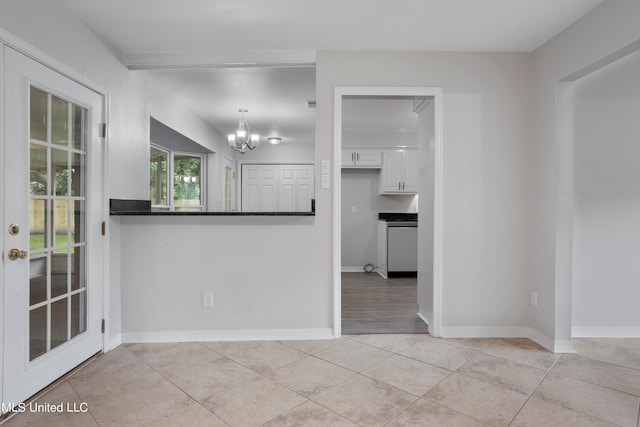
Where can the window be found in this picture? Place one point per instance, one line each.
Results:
(186, 173)
(159, 177)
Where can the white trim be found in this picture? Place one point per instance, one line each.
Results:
(437, 94)
(49, 61)
(426, 322)
(564, 145)
(337, 211)
(605, 332)
(354, 269)
(556, 346)
(565, 347)
(3, 236)
(113, 343)
(508, 332)
(220, 58)
(485, 332)
(228, 335)
(438, 211)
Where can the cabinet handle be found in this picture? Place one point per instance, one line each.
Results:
(358, 156)
(403, 186)
(352, 156)
(398, 185)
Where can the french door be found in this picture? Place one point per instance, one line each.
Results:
(53, 254)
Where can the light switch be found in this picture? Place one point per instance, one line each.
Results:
(326, 167)
(326, 181)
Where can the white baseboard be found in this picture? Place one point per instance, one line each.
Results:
(357, 269)
(424, 319)
(605, 332)
(508, 332)
(113, 342)
(228, 335)
(483, 332)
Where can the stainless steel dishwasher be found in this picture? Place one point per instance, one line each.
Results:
(402, 248)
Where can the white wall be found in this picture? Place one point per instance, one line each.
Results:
(262, 272)
(133, 96)
(487, 143)
(604, 31)
(379, 138)
(606, 228)
(360, 188)
(287, 284)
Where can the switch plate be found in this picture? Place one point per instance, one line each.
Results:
(326, 167)
(326, 181)
(354, 209)
(534, 298)
(207, 299)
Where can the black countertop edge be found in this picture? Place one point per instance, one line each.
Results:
(159, 213)
(122, 207)
(397, 216)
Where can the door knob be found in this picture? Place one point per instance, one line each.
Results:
(14, 254)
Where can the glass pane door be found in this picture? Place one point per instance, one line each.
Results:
(57, 239)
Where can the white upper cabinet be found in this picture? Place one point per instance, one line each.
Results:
(399, 173)
(357, 158)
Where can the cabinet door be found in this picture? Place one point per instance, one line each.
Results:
(304, 188)
(369, 158)
(348, 157)
(269, 188)
(391, 175)
(410, 169)
(251, 188)
(287, 188)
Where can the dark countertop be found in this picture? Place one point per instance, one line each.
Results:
(397, 216)
(122, 207)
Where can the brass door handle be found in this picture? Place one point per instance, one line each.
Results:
(14, 254)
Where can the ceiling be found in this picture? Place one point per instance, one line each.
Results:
(275, 96)
(131, 26)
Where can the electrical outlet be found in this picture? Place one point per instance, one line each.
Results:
(534, 298)
(354, 209)
(207, 299)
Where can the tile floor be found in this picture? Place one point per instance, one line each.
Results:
(359, 380)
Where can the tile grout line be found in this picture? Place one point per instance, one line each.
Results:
(534, 390)
(199, 403)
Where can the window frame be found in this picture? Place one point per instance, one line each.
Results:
(171, 206)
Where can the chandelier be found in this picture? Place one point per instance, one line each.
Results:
(243, 140)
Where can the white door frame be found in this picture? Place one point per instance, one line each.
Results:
(435, 316)
(563, 327)
(8, 39)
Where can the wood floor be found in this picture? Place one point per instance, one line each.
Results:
(373, 305)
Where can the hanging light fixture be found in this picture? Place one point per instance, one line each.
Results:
(243, 140)
(274, 140)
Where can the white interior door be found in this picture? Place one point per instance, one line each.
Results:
(52, 256)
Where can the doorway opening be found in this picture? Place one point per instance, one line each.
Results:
(389, 169)
(603, 131)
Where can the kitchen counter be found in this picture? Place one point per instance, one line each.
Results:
(122, 207)
(397, 216)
